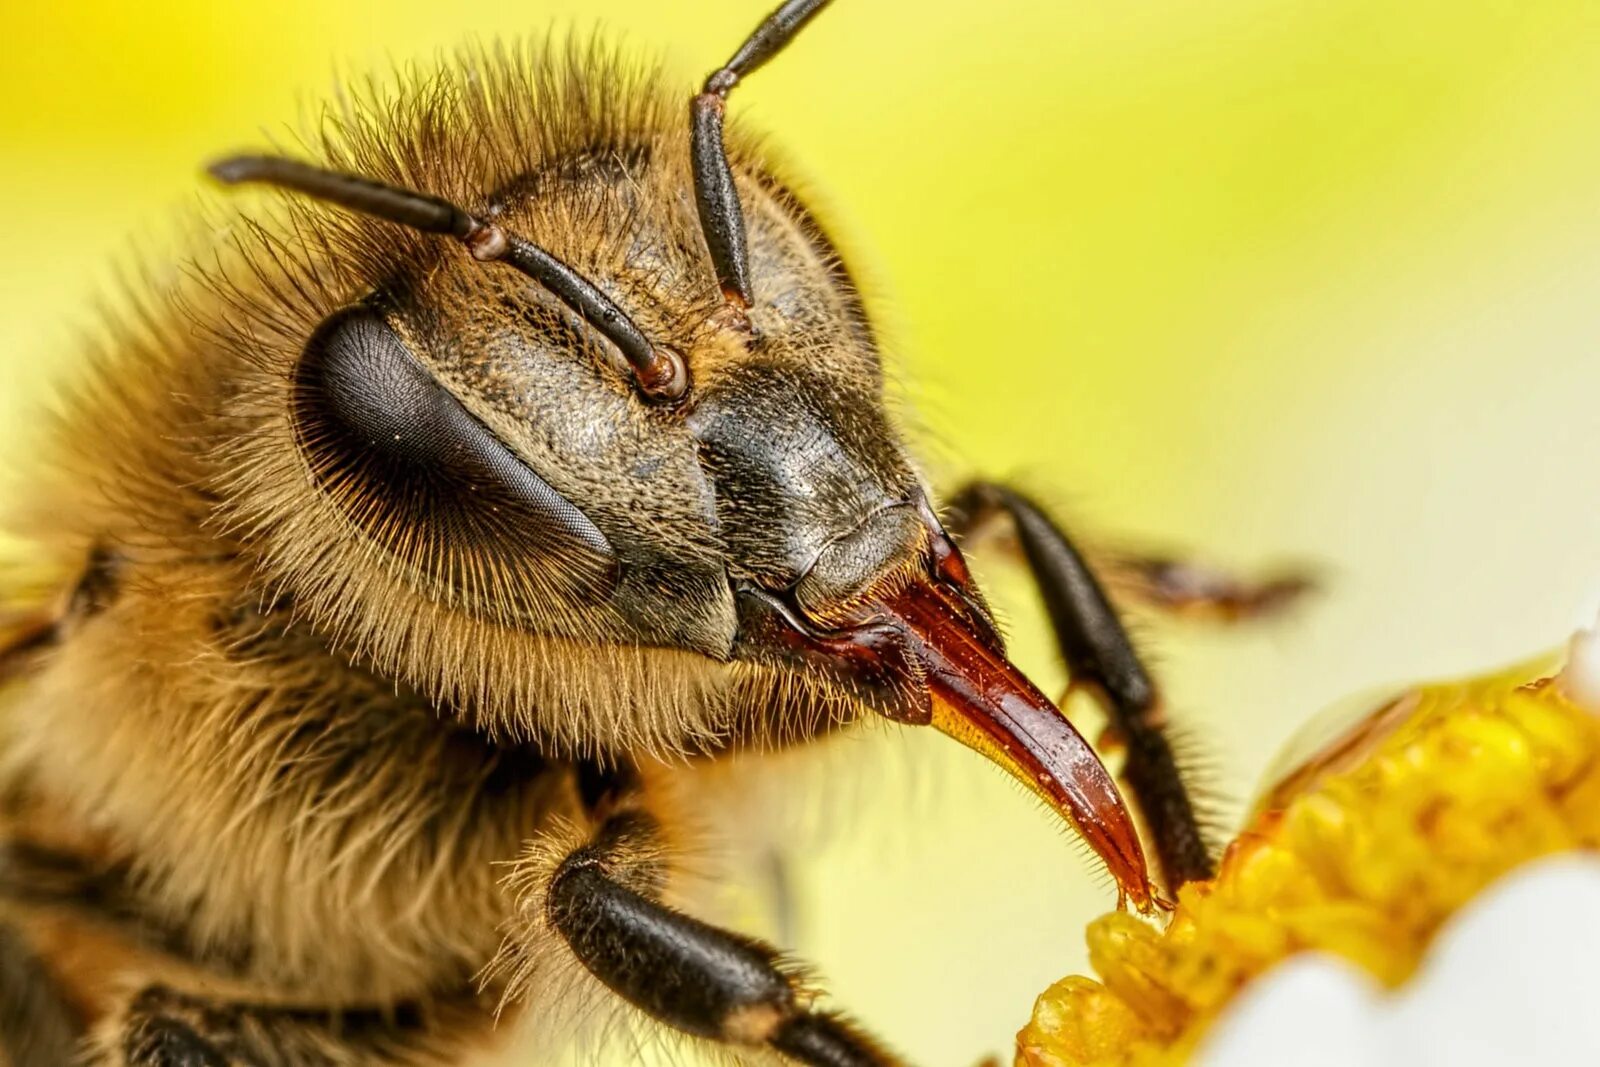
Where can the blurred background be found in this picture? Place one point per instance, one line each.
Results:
(1263, 281)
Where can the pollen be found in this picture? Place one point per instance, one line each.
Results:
(1362, 853)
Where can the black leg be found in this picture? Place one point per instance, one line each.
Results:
(1099, 655)
(1176, 585)
(683, 972)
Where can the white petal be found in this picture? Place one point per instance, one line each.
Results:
(1310, 1011)
(1580, 678)
(1514, 978)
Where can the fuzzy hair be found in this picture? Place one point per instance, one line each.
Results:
(306, 754)
(178, 446)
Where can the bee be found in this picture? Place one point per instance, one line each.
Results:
(394, 562)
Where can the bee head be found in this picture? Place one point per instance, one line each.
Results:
(508, 441)
(615, 478)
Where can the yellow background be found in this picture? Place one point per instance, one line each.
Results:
(1265, 280)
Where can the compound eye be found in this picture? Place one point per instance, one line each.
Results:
(419, 475)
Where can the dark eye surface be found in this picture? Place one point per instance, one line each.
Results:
(420, 475)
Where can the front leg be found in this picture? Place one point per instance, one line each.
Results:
(601, 903)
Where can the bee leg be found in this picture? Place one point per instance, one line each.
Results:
(1194, 590)
(1173, 584)
(602, 899)
(1100, 656)
(163, 1027)
(159, 1033)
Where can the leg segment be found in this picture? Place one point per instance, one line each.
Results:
(1177, 586)
(1194, 590)
(1099, 655)
(603, 901)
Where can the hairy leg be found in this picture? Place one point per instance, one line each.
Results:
(600, 905)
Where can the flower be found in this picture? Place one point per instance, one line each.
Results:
(1361, 854)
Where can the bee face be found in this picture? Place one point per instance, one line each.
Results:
(640, 490)
(468, 424)
(475, 469)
